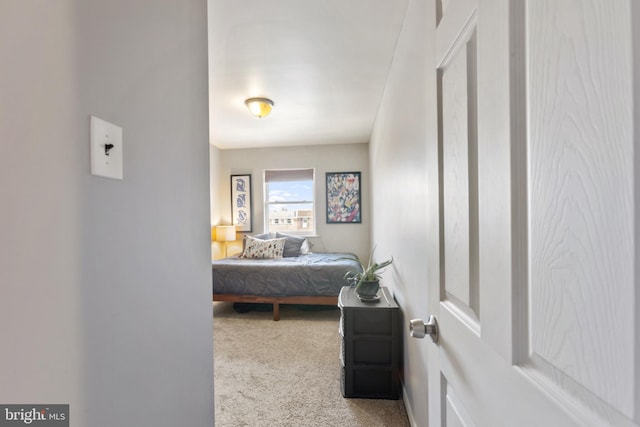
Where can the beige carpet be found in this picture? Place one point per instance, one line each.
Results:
(287, 373)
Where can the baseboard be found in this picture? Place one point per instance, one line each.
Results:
(407, 407)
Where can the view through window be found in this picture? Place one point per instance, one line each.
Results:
(289, 201)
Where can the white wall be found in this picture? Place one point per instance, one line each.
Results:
(398, 153)
(105, 287)
(332, 158)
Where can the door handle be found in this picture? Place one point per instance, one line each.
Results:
(419, 329)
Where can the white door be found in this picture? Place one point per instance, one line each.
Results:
(535, 196)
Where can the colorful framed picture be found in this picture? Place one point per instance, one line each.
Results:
(241, 202)
(344, 203)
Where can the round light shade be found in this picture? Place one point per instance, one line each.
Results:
(259, 107)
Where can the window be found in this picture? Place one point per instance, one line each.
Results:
(289, 201)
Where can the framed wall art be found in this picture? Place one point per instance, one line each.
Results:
(241, 202)
(344, 203)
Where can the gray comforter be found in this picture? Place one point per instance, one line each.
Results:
(313, 274)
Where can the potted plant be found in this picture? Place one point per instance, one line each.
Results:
(367, 280)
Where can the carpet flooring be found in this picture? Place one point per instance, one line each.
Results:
(287, 373)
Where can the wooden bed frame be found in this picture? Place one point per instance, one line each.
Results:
(276, 301)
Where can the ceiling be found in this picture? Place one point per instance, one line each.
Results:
(324, 63)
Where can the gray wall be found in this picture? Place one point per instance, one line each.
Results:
(398, 153)
(216, 185)
(328, 158)
(105, 298)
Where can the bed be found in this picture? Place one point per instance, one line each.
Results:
(294, 277)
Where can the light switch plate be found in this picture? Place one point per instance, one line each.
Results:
(106, 149)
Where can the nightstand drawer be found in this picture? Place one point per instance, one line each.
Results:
(376, 352)
(373, 322)
(372, 383)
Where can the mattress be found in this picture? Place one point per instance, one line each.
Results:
(312, 274)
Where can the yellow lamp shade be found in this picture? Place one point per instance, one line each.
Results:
(225, 233)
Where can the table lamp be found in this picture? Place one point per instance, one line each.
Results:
(225, 233)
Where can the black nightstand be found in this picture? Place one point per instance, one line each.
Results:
(370, 349)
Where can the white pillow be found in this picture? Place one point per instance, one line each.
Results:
(264, 249)
(305, 248)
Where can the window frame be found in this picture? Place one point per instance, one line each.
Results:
(287, 221)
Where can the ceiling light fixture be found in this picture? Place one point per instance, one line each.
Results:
(259, 107)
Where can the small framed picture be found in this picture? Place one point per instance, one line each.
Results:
(241, 202)
(344, 203)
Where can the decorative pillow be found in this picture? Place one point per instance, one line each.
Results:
(306, 247)
(264, 236)
(292, 245)
(263, 249)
